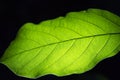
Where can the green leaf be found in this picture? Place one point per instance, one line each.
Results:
(66, 45)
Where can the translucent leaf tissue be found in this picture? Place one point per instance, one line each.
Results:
(63, 46)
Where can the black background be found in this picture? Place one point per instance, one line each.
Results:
(15, 13)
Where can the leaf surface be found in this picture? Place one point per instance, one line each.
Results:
(66, 45)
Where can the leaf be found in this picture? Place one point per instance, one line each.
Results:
(66, 45)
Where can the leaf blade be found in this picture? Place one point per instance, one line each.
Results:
(58, 46)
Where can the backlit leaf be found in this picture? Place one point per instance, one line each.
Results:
(66, 45)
